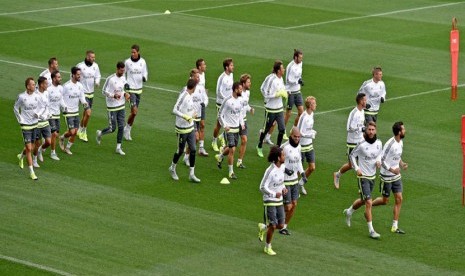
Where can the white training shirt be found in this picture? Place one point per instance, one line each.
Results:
(134, 72)
(392, 155)
(48, 75)
(245, 97)
(56, 102)
(374, 91)
(73, 93)
(90, 76)
(184, 106)
(113, 90)
(364, 157)
(230, 114)
(293, 162)
(26, 108)
(293, 74)
(355, 124)
(270, 86)
(224, 87)
(272, 183)
(305, 125)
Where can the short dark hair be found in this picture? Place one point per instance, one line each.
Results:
(135, 47)
(227, 62)
(191, 83)
(297, 53)
(277, 65)
(199, 62)
(359, 97)
(236, 85)
(41, 79)
(376, 69)
(26, 82)
(397, 127)
(120, 65)
(74, 70)
(54, 74)
(51, 60)
(274, 154)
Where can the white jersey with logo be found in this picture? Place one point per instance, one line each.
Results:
(245, 97)
(293, 74)
(113, 90)
(271, 184)
(134, 72)
(43, 110)
(184, 106)
(270, 86)
(198, 97)
(56, 102)
(305, 126)
(392, 155)
(230, 114)
(90, 76)
(224, 87)
(293, 162)
(355, 124)
(202, 79)
(374, 91)
(73, 93)
(26, 109)
(364, 157)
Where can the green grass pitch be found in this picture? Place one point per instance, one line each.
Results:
(98, 213)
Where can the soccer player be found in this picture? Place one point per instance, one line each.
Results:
(25, 109)
(90, 78)
(292, 151)
(43, 126)
(73, 93)
(375, 90)
(246, 83)
(47, 73)
(232, 120)
(273, 189)
(355, 129)
(56, 105)
(391, 163)
(115, 96)
(273, 91)
(305, 125)
(202, 67)
(294, 83)
(136, 74)
(185, 114)
(365, 159)
(198, 99)
(223, 90)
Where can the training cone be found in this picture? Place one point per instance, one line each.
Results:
(224, 181)
(167, 12)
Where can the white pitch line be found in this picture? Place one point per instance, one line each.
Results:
(65, 8)
(131, 17)
(258, 106)
(371, 15)
(39, 266)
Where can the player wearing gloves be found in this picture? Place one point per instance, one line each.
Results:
(391, 180)
(294, 84)
(305, 126)
(355, 129)
(115, 96)
(73, 93)
(231, 119)
(25, 109)
(365, 159)
(136, 74)
(273, 91)
(185, 114)
(292, 151)
(375, 90)
(273, 188)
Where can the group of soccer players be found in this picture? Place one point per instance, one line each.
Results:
(38, 108)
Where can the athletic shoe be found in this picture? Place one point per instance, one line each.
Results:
(269, 251)
(268, 141)
(203, 152)
(284, 231)
(126, 132)
(33, 176)
(261, 231)
(120, 151)
(348, 216)
(219, 160)
(397, 230)
(83, 136)
(54, 156)
(129, 136)
(215, 146)
(98, 136)
(240, 165)
(194, 178)
(232, 175)
(285, 136)
(302, 190)
(21, 160)
(374, 235)
(259, 152)
(39, 155)
(336, 177)
(61, 142)
(173, 173)
(186, 160)
(35, 164)
(68, 151)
